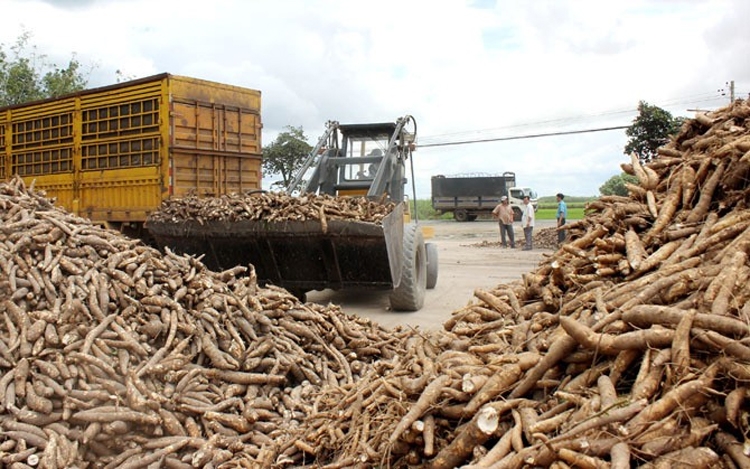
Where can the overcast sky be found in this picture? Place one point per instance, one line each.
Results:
(466, 70)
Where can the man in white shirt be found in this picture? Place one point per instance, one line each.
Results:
(527, 222)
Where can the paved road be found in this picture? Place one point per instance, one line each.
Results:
(463, 267)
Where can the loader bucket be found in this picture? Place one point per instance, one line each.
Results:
(297, 255)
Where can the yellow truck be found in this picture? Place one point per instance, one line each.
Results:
(112, 154)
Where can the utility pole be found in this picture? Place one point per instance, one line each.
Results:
(730, 85)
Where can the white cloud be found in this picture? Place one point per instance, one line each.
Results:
(494, 70)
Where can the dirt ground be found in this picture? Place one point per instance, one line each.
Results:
(462, 268)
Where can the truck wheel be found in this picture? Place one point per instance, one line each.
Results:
(432, 264)
(409, 295)
(460, 215)
(517, 215)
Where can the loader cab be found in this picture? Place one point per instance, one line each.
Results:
(359, 160)
(372, 163)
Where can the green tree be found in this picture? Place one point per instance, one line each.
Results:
(650, 130)
(285, 155)
(616, 184)
(25, 74)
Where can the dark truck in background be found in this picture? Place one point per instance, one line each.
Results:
(469, 196)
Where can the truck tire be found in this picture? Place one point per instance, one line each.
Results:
(461, 215)
(517, 214)
(409, 295)
(432, 265)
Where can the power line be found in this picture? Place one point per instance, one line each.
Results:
(692, 99)
(521, 137)
(558, 121)
(561, 120)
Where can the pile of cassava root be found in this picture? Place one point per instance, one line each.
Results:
(629, 347)
(271, 207)
(545, 238)
(113, 355)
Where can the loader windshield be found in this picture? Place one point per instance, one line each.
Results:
(366, 156)
(366, 145)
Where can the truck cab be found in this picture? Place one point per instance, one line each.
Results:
(515, 198)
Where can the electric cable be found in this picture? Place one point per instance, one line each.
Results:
(434, 140)
(522, 137)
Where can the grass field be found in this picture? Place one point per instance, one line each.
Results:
(548, 207)
(549, 213)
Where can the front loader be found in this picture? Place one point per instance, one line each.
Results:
(347, 161)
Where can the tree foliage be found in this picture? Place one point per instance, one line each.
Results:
(26, 75)
(616, 184)
(285, 155)
(650, 130)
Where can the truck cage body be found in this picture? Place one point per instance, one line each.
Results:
(113, 154)
(470, 196)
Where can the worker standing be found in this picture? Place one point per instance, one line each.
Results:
(527, 221)
(562, 214)
(504, 213)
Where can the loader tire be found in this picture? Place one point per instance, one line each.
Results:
(432, 265)
(409, 295)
